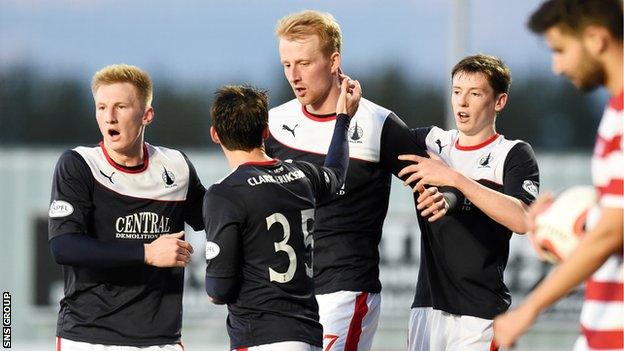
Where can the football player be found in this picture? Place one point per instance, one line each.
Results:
(259, 222)
(348, 227)
(115, 224)
(460, 286)
(586, 40)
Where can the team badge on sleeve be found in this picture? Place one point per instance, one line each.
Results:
(212, 250)
(60, 208)
(530, 187)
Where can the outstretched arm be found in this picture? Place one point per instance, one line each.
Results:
(593, 250)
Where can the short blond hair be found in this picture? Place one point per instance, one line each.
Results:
(122, 73)
(309, 22)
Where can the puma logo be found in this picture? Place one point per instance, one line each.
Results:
(440, 146)
(110, 177)
(292, 130)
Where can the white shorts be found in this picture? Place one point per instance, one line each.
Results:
(436, 330)
(284, 345)
(70, 345)
(349, 320)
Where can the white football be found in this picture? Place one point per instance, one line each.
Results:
(560, 226)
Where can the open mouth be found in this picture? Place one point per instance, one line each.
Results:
(113, 133)
(463, 116)
(300, 91)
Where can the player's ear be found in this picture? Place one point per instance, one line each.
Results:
(335, 61)
(148, 116)
(214, 136)
(265, 133)
(595, 39)
(501, 101)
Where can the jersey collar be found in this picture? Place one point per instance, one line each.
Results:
(478, 146)
(122, 168)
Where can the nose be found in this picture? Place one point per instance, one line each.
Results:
(109, 115)
(461, 100)
(294, 75)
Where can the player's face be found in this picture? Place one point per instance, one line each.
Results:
(310, 72)
(571, 58)
(474, 103)
(121, 117)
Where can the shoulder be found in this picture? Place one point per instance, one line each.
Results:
(290, 107)
(370, 109)
(516, 147)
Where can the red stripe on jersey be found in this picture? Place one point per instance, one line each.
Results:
(617, 102)
(58, 343)
(604, 291)
(242, 349)
(261, 163)
(122, 168)
(493, 346)
(605, 147)
(318, 118)
(355, 328)
(615, 187)
(604, 339)
(478, 146)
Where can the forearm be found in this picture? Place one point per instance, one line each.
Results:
(504, 209)
(222, 290)
(79, 249)
(593, 250)
(338, 153)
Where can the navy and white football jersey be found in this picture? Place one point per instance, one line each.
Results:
(464, 254)
(137, 305)
(348, 228)
(259, 222)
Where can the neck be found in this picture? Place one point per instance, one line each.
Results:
(477, 138)
(238, 157)
(613, 70)
(131, 157)
(327, 104)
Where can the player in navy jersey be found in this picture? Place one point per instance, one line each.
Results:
(259, 222)
(348, 227)
(115, 224)
(586, 39)
(460, 284)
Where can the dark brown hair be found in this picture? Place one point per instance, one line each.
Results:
(497, 74)
(573, 16)
(240, 115)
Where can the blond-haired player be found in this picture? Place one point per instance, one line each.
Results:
(116, 217)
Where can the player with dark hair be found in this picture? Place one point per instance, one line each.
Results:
(115, 224)
(259, 222)
(585, 37)
(460, 286)
(348, 227)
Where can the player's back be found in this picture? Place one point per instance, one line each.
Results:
(272, 207)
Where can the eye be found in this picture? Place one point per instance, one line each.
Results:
(455, 92)
(121, 107)
(286, 65)
(476, 94)
(305, 64)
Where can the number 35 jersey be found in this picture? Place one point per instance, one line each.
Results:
(259, 223)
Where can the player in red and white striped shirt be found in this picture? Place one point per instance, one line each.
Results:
(586, 39)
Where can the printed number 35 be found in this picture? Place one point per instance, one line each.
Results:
(308, 241)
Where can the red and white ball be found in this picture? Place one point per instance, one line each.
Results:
(560, 226)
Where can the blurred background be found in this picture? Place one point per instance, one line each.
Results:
(401, 51)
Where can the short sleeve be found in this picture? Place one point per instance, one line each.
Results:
(397, 139)
(71, 201)
(194, 199)
(223, 224)
(521, 174)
